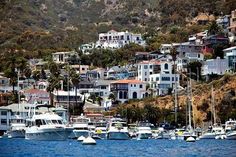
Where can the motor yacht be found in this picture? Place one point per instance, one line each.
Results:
(213, 132)
(17, 127)
(117, 130)
(46, 126)
(144, 131)
(80, 126)
(230, 129)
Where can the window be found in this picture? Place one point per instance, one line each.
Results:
(166, 66)
(125, 95)
(127, 37)
(3, 121)
(145, 66)
(165, 78)
(4, 113)
(141, 86)
(150, 73)
(145, 79)
(134, 85)
(145, 74)
(131, 85)
(120, 95)
(150, 66)
(134, 95)
(121, 37)
(137, 38)
(157, 78)
(103, 87)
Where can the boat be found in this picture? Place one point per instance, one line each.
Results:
(80, 126)
(46, 126)
(144, 131)
(211, 133)
(230, 129)
(17, 127)
(117, 130)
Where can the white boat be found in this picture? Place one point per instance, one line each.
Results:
(80, 126)
(46, 126)
(144, 131)
(213, 132)
(230, 129)
(117, 130)
(17, 129)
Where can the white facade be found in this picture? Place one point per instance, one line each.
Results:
(164, 80)
(188, 57)
(147, 68)
(128, 89)
(165, 48)
(86, 48)
(114, 40)
(62, 57)
(5, 116)
(215, 66)
(230, 55)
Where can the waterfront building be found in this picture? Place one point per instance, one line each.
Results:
(5, 116)
(128, 89)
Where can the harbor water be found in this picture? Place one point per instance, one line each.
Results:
(112, 148)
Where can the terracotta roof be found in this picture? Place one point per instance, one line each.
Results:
(128, 81)
(35, 91)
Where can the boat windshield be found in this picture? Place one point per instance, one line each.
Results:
(119, 124)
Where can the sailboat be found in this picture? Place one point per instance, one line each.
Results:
(17, 127)
(189, 134)
(214, 130)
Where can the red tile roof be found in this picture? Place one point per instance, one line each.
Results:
(35, 91)
(128, 81)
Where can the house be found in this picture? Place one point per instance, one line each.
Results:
(188, 47)
(102, 88)
(36, 95)
(5, 98)
(86, 48)
(232, 27)
(203, 19)
(140, 56)
(117, 72)
(224, 22)
(165, 48)
(114, 39)
(64, 57)
(81, 69)
(5, 116)
(214, 40)
(215, 66)
(128, 89)
(4, 83)
(164, 80)
(64, 98)
(147, 68)
(230, 55)
(183, 61)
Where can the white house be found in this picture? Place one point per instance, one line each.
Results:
(163, 81)
(86, 48)
(165, 48)
(114, 39)
(215, 66)
(230, 55)
(62, 57)
(40, 96)
(128, 89)
(147, 68)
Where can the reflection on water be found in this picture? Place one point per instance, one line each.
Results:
(21, 147)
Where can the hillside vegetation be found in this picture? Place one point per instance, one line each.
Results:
(224, 101)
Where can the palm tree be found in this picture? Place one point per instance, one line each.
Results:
(75, 79)
(27, 73)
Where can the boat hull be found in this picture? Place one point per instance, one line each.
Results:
(231, 136)
(47, 135)
(118, 136)
(16, 134)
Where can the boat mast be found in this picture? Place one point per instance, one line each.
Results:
(190, 104)
(213, 106)
(18, 86)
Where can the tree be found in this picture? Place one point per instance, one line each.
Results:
(27, 73)
(214, 28)
(112, 97)
(194, 69)
(75, 79)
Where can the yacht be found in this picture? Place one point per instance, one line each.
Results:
(46, 126)
(80, 126)
(100, 130)
(117, 130)
(230, 129)
(17, 127)
(144, 131)
(213, 132)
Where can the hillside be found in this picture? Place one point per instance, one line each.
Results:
(224, 96)
(42, 26)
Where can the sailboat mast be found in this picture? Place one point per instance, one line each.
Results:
(190, 105)
(18, 86)
(213, 105)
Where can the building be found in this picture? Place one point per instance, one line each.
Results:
(36, 95)
(5, 116)
(164, 80)
(64, 57)
(114, 39)
(4, 84)
(128, 89)
(5, 98)
(224, 22)
(230, 55)
(147, 68)
(165, 48)
(86, 48)
(117, 72)
(232, 27)
(81, 69)
(215, 66)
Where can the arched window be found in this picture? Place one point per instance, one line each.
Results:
(166, 66)
(134, 95)
(125, 95)
(120, 95)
